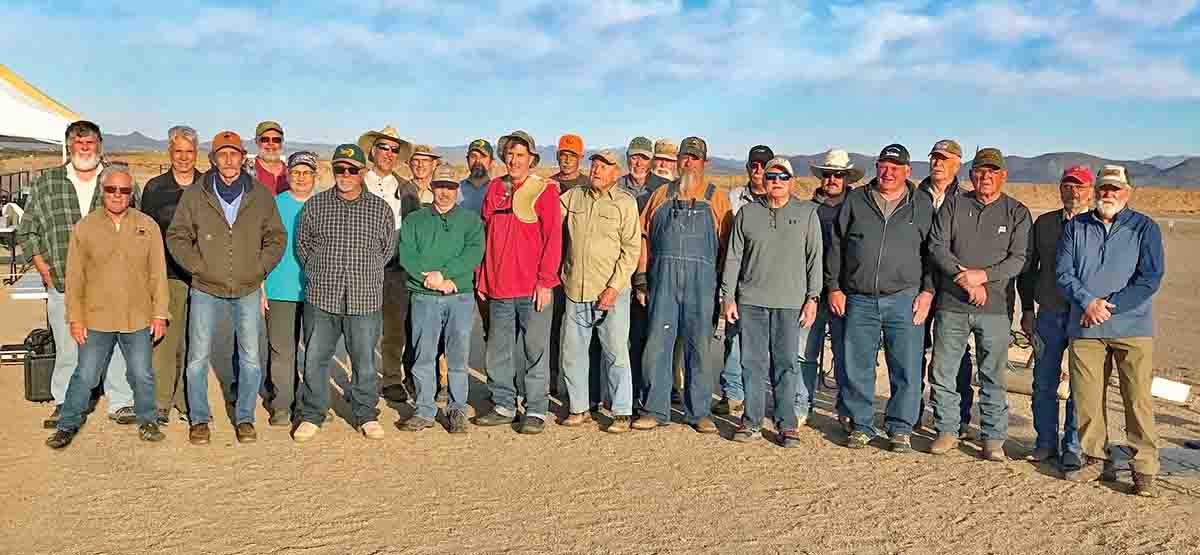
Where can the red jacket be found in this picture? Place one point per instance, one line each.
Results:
(519, 256)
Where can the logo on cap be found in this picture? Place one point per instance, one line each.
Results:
(891, 152)
(347, 152)
(1112, 172)
(477, 143)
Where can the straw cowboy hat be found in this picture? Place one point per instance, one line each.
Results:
(837, 160)
(367, 142)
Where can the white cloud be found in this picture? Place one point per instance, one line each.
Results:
(1148, 12)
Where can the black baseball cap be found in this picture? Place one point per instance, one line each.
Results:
(760, 153)
(895, 153)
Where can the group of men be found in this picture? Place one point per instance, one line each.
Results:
(633, 263)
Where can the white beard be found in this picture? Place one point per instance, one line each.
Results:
(664, 173)
(1108, 209)
(85, 164)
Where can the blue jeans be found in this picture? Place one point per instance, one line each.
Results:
(612, 328)
(812, 345)
(950, 333)
(437, 319)
(96, 354)
(965, 370)
(516, 325)
(772, 339)
(866, 317)
(321, 333)
(204, 309)
(731, 374)
(66, 359)
(1051, 327)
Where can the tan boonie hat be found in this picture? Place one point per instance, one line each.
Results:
(946, 147)
(367, 141)
(988, 157)
(445, 176)
(694, 146)
(522, 137)
(665, 149)
(607, 155)
(425, 150)
(837, 160)
(1115, 175)
(780, 162)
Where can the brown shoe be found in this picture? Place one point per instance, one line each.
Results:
(246, 433)
(1143, 485)
(576, 419)
(943, 444)
(705, 426)
(1091, 470)
(619, 425)
(198, 434)
(645, 422)
(993, 450)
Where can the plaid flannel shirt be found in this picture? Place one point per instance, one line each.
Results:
(342, 247)
(50, 216)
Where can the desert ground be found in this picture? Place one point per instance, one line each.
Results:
(579, 490)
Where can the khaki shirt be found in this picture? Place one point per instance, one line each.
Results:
(601, 241)
(116, 278)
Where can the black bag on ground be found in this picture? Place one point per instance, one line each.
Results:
(39, 365)
(40, 342)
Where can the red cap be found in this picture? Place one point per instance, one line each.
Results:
(1082, 174)
(571, 143)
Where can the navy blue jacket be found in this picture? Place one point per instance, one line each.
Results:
(1123, 265)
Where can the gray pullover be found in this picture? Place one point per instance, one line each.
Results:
(774, 255)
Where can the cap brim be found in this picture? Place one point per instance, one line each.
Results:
(480, 150)
(354, 163)
(944, 152)
(445, 184)
(238, 148)
(1114, 183)
(673, 158)
(893, 160)
(646, 153)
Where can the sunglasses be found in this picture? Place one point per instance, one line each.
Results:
(124, 191)
(827, 175)
(339, 170)
(778, 176)
(391, 149)
(272, 140)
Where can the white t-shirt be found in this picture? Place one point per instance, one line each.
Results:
(85, 190)
(385, 188)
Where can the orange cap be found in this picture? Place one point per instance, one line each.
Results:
(571, 143)
(227, 139)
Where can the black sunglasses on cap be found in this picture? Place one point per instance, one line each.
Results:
(339, 170)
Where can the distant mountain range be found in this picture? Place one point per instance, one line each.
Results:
(1165, 171)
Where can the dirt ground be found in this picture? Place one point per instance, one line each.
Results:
(579, 490)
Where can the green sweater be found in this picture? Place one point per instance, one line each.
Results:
(450, 243)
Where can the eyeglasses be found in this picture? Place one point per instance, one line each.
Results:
(391, 149)
(755, 165)
(272, 140)
(778, 176)
(302, 173)
(829, 174)
(339, 170)
(984, 171)
(123, 191)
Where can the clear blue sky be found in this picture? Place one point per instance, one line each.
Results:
(1112, 77)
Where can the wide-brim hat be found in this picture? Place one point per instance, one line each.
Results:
(523, 137)
(367, 141)
(837, 160)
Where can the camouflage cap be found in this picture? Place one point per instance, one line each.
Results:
(349, 154)
(424, 150)
(642, 146)
(302, 158)
(988, 157)
(444, 176)
(481, 146)
(1112, 174)
(665, 149)
(521, 137)
(607, 155)
(267, 126)
(946, 147)
(694, 146)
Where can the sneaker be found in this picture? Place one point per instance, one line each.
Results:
(1143, 485)
(619, 425)
(532, 425)
(305, 431)
(458, 421)
(645, 422)
(280, 418)
(415, 424)
(846, 423)
(965, 432)
(942, 444)
(1070, 461)
(371, 430)
(789, 438)
(60, 439)
(705, 426)
(162, 416)
(123, 416)
(745, 435)
(51, 422)
(493, 418)
(1042, 454)
(858, 440)
(900, 443)
(395, 393)
(245, 433)
(150, 432)
(576, 419)
(198, 434)
(993, 450)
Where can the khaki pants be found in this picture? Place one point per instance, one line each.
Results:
(1132, 357)
(168, 353)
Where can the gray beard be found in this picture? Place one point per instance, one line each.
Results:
(664, 173)
(1108, 209)
(85, 164)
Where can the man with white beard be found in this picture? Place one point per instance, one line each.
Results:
(1110, 263)
(61, 197)
(666, 157)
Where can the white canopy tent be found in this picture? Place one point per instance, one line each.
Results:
(28, 115)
